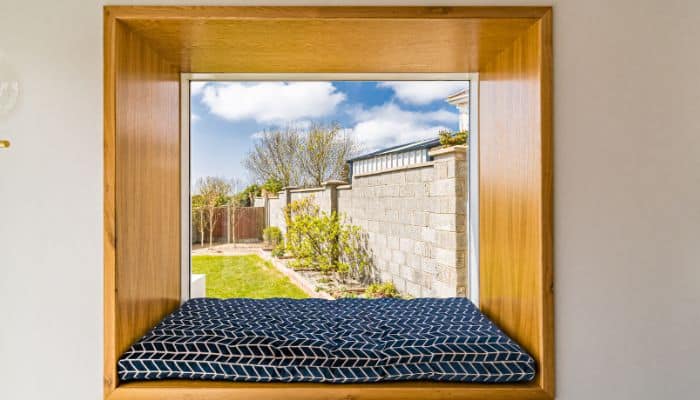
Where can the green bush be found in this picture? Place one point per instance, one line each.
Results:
(311, 236)
(448, 138)
(278, 251)
(272, 186)
(246, 197)
(272, 236)
(381, 290)
(323, 242)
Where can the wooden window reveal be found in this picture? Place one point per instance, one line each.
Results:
(145, 50)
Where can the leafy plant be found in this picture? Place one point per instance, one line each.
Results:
(272, 186)
(345, 295)
(323, 242)
(354, 258)
(272, 236)
(246, 197)
(448, 138)
(278, 251)
(381, 290)
(312, 235)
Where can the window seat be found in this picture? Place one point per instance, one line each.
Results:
(327, 341)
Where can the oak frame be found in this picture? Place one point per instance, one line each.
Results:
(145, 49)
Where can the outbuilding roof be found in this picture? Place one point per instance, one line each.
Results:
(417, 145)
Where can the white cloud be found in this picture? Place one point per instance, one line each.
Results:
(196, 87)
(423, 92)
(272, 102)
(389, 125)
(257, 135)
(301, 125)
(194, 118)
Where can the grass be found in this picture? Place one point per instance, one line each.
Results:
(247, 276)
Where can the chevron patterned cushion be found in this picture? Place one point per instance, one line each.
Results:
(337, 341)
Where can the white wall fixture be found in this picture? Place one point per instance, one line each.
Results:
(9, 92)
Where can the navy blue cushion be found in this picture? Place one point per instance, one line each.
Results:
(338, 341)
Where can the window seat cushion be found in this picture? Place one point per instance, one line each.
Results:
(335, 341)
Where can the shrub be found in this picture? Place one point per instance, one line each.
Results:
(246, 197)
(354, 259)
(278, 251)
(448, 138)
(381, 290)
(272, 236)
(323, 242)
(272, 186)
(311, 236)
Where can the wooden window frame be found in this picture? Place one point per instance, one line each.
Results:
(147, 48)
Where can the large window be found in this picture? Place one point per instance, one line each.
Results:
(328, 187)
(147, 162)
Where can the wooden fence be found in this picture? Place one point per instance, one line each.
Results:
(231, 225)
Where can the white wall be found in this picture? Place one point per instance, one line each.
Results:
(627, 158)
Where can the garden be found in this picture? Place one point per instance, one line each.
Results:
(244, 276)
(327, 250)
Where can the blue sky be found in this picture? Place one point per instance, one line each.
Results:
(226, 116)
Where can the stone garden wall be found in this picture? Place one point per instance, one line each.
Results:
(414, 218)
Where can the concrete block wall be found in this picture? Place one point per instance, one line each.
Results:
(275, 213)
(322, 196)
(414, 218)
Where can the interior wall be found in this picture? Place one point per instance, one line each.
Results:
(626, 190)
(145, 242)
(514, 191)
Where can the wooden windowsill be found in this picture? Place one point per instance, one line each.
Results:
(185, 389)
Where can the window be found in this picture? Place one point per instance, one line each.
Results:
(405, 194)
(510, 48)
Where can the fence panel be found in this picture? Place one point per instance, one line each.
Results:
(248, 223)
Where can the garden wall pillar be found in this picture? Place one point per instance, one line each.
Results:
(331, 192)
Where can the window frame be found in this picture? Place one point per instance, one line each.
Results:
(472, 222)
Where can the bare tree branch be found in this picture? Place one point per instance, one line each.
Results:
(214, 192)
(295, 157)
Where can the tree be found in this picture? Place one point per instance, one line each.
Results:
(293, 157)
(214, 192)
(326, 149)
(246, 197)
(275, 155)
(198, 219)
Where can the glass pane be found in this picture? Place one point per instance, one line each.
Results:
(402, 230)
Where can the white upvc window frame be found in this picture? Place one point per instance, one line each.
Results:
(392, 161)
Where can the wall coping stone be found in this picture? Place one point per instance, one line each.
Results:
(446, 150)
(304, 190)
(334, 182)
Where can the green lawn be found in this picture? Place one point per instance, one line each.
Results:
(244, 276)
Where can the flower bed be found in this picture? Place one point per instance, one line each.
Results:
(329, 253)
